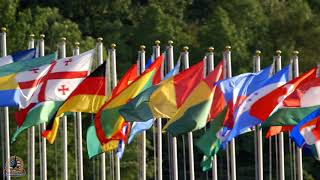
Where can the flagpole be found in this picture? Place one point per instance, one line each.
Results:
(258, 130)
(43, 146)
(173, 139)
(156, 53)
(31, 135)
(231, 144)
(64, 122)
(210, 67)
(298, 149)
(185, 59)
(142, 56)
(6, 111)
(281, 141)
(100, 61)
(78, 128)
(114, 84)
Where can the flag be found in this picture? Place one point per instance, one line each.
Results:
(108, 120)
(94, 147)
(306, 132)
(18, 56)
(138, 127)
(9, 88)
(301, 102)
(34, 114)
(275, 130)
(44, 83)
(163, 100)
(56, 81)
(193, 113)
(209, 143)
(269, 103)
(254, 87)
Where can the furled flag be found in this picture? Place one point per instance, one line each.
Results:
(251, 89)
(271, 102)
(138, 127)
(307, 131)
(275, 130)
(18, 56)
(9, 88)
(108, 120)
(93, 144)
(163, 100)
(50, 89)
(301, 102)
(193, 114)
(56, 81)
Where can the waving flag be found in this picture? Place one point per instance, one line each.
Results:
(301, 102)
(9, 88)
(18, 56)
(108, 120)
(138, 127)
(163, 100)
(93, 144)
(307, 131)
(56, 81)
(40, 86)
(255, 87)
(193, 114)
(271, 102)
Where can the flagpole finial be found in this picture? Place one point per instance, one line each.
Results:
(142, 47)
(31, 36)
(227, 48)
(77, 44)
(211, 49)
(113, 45)
(157, 42)
(295, 53)
(42, 36)
(278, 52)
(63, 39)
(99, 39)
(170, 42)
(185, 49)
(3, 29)
(258, 52)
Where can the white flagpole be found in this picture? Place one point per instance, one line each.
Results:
(43, 146)
(185, 59)
(78, 128)
(31, 135)
(114, 84)
(64, 122)
(298, 150)
(156, 53)
(142, 56)
(173, 139)
(210, 68)
(231, 144)
(281, 141)
(6, 112)
(258, 130)
(100, 61)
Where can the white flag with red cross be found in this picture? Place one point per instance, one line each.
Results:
(54, 82)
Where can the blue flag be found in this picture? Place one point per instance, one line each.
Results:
(243, 93)
(18, 56)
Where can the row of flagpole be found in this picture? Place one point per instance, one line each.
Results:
(230, 147)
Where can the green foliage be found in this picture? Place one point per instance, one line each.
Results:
(246, 25)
